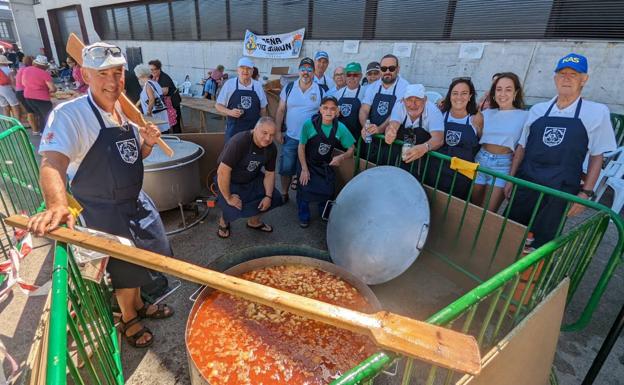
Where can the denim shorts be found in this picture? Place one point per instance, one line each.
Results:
(288, 157)
(496, 162)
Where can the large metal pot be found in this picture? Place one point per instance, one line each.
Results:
(173, 181)
(260, 263)
(378, 224)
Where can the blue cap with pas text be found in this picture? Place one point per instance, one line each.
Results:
(573, 60)
(321, 55)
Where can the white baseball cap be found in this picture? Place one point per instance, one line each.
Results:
(245, 62)
(417, 90)
(101, 56)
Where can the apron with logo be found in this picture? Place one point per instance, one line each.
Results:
(379, 112)
(249, 186)
(350, 113)
(108, 187)
(461, 141)
(250, 102)
(319, 150)
(553, 157)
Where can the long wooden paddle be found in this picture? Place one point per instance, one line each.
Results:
(420, 340)
(74, 49)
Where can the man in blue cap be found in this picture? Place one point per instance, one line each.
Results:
(557, 137)
(321, 62)
(242, 100)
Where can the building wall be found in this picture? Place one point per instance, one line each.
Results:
(431, 63)
(26, 25)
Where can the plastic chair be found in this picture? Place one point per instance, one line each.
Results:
(609, 170)
(612, 176)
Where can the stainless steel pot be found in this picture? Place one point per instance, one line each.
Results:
(173, 181)
(260, 263)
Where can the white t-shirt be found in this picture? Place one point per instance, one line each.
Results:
(326, 80)
(72, 128)
(348, 93)
(230, 86)
(372, 89)
(595, 118)
(432, 119)
(503, 127)
(461, 121)
(300, 107)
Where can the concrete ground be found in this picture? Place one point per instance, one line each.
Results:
(165, 362)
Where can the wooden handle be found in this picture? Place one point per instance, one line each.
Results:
(420, 340)
(74, 49)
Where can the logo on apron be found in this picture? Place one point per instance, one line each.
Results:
(246, 102)
(553, 136)
(324, 148)
(382, 107)
(453, 137)
(253, 165)
(345, 109)
(128, 150)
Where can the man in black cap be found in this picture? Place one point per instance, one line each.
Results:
(373, 73)
(299, 100)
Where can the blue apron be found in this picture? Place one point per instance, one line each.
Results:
(379, 112)
(553, 157)
(461, 141)
(391, 154)
(319, 150)
(247, 181)
(323, 85)
(108, 187)
(350, 112)
(251, 105)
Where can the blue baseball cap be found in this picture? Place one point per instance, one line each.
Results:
(573, 60)
(321, 55)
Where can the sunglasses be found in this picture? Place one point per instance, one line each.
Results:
(388, 69)
(353, 75)
(305, 69)
(103, 52)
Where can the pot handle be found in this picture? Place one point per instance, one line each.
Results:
(171, 137)
(195, 294)
(422, 237)
(327, 210)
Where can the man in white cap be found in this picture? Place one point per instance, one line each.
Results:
(416, 121)
(321, 62)
(8, 99)
(242, 99)
(90, 141)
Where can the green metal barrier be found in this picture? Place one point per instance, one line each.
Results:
(81, 317)
(501, 300)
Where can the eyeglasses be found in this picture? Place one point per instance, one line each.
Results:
(96, 52)
(388, 69)
(305, 69)
(353, 75)
(466, 78)
(339, 74)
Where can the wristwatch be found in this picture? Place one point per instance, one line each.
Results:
(428, 146)
(589, 193)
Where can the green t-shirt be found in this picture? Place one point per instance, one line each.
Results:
(342, 133)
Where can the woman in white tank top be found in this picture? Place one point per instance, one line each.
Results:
(502, 125)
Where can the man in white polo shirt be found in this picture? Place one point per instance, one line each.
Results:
(91, 143)
(242, 99)
(417, 121)
(299, 100)
(321, 62)
(557, 137)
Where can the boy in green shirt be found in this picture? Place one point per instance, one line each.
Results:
(319, 136)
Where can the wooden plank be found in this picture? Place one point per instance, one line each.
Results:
(417, 339)
(525, 356)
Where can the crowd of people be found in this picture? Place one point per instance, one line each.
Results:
(90, 143)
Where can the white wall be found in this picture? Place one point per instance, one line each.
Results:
(431, 63)
(26, 26)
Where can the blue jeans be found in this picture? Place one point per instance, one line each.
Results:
(303, 208)
(496, 162)
(288, 157)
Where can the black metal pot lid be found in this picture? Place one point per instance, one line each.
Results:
(183, 152)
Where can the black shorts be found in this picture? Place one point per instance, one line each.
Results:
(20, 97)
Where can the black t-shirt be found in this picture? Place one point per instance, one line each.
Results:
(165, 81)
(236, 150)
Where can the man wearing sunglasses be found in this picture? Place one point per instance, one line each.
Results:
(381, 96)
(321, 62)
(350, 99)
(242, 99)
(91, 143)
(299, 100)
